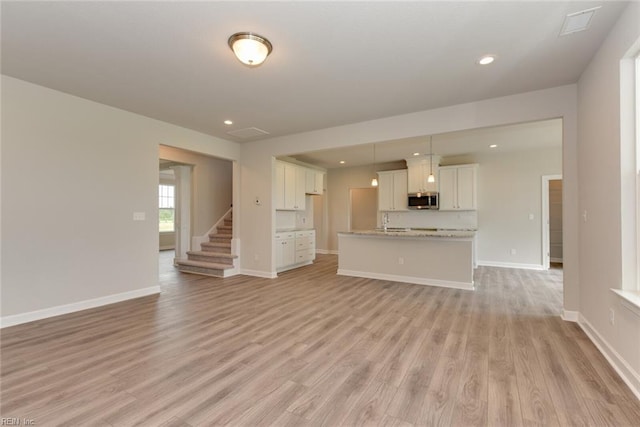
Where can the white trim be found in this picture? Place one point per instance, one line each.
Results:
(407, 279)
(556, 260)
(166, 248)
(511, 265)
(629, 300)
(324, 251)
(626, 372)
(31, 316)
(570, 316)
(546, 239)
(258, 273)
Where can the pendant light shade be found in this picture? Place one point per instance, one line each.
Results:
(250, 49)
(431, 178)
(374, 180)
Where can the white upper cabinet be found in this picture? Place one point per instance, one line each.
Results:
(418, 172)
(314, 181)
(392, 190)
(458, 187)
(290, 183)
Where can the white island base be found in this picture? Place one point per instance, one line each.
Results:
(420, 258)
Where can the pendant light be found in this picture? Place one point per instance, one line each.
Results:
(431, 178)
(374, 180)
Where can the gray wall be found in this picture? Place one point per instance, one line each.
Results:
(607, 193)
(73, 173)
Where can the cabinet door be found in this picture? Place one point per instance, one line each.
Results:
(400, 190)
(299, 183)
(279, 185)
(314, 182)
(385, 192)
(289, 186)
(414, 178)
(448, 197)
(466, 188)
(285, 250)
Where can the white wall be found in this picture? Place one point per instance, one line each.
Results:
(509, 191)
(258, 222)
(211, 194)
(73, 173)
(607, 179)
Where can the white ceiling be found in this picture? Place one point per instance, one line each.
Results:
(516, 137)
(333, 63)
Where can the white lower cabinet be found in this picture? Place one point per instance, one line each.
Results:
(294, 248)
(284, 245)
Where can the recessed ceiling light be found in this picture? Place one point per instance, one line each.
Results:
(228, 122)
(342, 162)
(416, 154)
(493, 145)
(486, 60)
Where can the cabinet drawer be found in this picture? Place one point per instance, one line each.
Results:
(284, 235)
(305, 255)
(306, 233)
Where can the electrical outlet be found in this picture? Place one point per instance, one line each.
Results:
(612, 316)
(530, 217)
(584, 215)
(513, 251)
(400, 260)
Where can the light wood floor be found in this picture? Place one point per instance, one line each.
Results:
(312, 348)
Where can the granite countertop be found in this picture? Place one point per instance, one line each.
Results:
(415, 232)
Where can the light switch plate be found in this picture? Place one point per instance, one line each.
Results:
(139, 216)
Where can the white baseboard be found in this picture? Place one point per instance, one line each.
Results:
(407, 279)
(17, 319)
(258, 273)
(511, 265)
(570, 316)
(555, 259)
(323, 251)
(626, 372)
(166, 248)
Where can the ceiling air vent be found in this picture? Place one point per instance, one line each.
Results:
(246, 133)
(578, 21)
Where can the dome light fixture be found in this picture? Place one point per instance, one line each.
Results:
(250, 49)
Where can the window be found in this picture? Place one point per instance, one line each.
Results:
(166, 211)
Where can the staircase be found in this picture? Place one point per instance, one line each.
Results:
(214, 257)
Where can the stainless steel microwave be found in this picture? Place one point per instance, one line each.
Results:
(423, 201)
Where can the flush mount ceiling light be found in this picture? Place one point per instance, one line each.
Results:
(493, 145)
(250, 49)
(228, 122)
(486, 60)
(342, 162)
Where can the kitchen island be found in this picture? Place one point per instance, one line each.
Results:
(425, 257)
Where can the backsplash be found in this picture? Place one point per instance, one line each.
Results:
(288, 220)
(456, 220)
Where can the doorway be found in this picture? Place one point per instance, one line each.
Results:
(363, 208)
(551, 220)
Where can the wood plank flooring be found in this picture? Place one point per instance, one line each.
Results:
(313, 348)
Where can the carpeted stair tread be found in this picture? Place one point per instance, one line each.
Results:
(220, 236)
(212, 254)
(203, 264)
